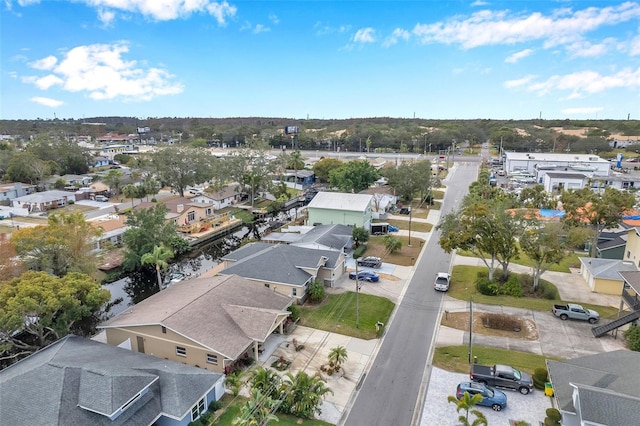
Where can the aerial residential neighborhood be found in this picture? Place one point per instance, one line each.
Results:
(280, 293)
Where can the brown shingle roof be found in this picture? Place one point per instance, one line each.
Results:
(224, 313)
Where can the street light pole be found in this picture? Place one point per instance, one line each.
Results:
(357, 292)
(410, 209)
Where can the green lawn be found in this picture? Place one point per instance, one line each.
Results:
(456, 358)
(572, 261)
(231, 407)
(463, 288)
(337, 314)
(404, 224)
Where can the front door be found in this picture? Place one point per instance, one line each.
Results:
(140, 341)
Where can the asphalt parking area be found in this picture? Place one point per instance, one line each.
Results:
(442, 384)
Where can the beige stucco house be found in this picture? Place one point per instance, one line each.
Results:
(208, 322)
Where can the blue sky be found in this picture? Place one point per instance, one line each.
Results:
(442, 59)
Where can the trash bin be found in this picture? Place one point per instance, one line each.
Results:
(548, 389)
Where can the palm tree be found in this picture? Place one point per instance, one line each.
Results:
(465, 404)
(257, 410)
(337, 356)
(130, 191)
(303, 394)
(265, 380)
(158, 257)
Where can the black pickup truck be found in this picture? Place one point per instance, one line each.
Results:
(502, 376)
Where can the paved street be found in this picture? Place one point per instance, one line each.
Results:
(394, 387)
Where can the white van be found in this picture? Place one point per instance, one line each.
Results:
(101, 198)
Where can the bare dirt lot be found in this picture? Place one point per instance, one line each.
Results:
(460, 321)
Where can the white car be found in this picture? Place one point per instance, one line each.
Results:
(442, 281)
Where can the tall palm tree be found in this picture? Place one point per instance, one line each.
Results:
(303, 394)
(158, 257)
(465, 404)
(337, 356)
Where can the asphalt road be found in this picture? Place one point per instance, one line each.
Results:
(393, 390)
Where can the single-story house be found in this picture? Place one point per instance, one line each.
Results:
(600, 389)
(300, 178)
(9, 191)
(113, 228)
(43, 201)
(100, 161)
(285, 269)
(327, 237)
(340, 208)
(208, 322)
(69, 180)
(77, 381)
(183, 210)
(383, 199)
(602, 275)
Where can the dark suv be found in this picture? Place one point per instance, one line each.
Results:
(370, 261)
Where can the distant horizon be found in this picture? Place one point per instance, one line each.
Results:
(322, 60)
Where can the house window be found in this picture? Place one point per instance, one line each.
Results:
(212, 359)
(628, 254)
(294, 292)
(180, 351)
(164, 330)
(208, 211)
(191, 216)
(266, 285)
(198, 409)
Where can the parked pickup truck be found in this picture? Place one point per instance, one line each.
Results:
(573, 311)
(502, 376)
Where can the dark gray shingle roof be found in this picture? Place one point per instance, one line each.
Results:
(53, 385)
(279, 263)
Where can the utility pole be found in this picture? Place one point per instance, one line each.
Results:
(470, 329)
(357, 292)
(410, 210)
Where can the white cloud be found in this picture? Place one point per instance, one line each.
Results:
(397, 34)
(364, 35)
(323, 29)
(518, 55)
(583, 110)
(274, 19)
(44, 63)
(519, 82)
(101, 71)
(259, 28)
(46, 101)
(47, 81)
(578, 84)
(479, 3)
(634, 46)
(487, 27)
(164, 10)
(585, 49)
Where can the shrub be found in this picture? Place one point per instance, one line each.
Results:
(501, 322)
(549, 291)
(359, 251)
(296, 311)
(633, 338)
(486, 287)
(512, 287)
(195, 423)
(553, 414)
(215, 406)
(540, 377)
(205, 418)
(316, 291)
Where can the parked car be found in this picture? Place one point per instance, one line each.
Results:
(502, 376)
(371, 277)
(405, 210)
(573, 311)
(494, 398)
(370, 261)
(442, 281)
(392, 228)
(101, 198)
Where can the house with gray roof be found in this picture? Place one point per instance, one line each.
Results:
(602, 275)
(43, 201)
(285, 269)
(600, 389)
(209, 323)
(322, 237)
(77, 381)
(328, 208)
